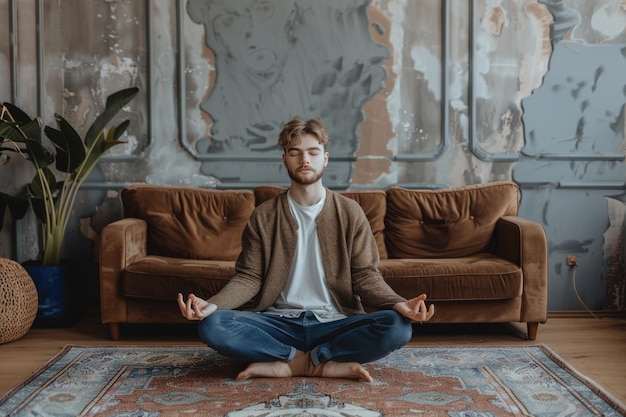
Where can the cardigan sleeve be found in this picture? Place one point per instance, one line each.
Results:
(351, 258)
(367, 281)
(247, 281)
(267, 250)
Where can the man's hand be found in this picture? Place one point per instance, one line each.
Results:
(195, 308)
(415, 309)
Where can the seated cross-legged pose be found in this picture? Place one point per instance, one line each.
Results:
(310, 262)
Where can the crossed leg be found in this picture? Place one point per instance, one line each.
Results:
(274, 345)
(301, 365)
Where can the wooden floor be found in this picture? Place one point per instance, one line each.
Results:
(595, 347)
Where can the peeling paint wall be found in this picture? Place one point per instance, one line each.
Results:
(416, 93)
(572, 161)
(275, 60)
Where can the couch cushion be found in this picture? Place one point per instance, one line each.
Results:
(161, 278)
(263, 193)
(185, 222)
(453, 222)
(373, 203)
(478, 277)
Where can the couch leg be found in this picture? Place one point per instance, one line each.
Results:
(532, 330)
(114, 331)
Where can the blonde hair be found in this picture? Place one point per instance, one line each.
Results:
(294, 129)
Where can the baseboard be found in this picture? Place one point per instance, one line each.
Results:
(56, 322)
(578, 314)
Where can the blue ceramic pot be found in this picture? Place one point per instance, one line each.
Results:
(52, 283)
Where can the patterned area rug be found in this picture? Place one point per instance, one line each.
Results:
(196, 381)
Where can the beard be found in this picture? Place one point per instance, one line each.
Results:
(305, 179)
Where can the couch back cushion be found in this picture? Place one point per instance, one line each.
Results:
(186, 222)
(453, 222)
(263, 193)
(373, 203)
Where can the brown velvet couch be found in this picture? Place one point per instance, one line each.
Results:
(466, 248)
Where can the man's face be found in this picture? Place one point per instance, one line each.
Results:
(306, 161)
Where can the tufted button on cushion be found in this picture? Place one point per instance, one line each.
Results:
(182, 220)
(447, 223)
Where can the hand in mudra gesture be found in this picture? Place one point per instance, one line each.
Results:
(195, 308)
(415, 309)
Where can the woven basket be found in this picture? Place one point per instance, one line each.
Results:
(18, 301)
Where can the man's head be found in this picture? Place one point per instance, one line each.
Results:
(294, 129)
(304, 149)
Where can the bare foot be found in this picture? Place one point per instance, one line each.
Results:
(349, 370)
(275, 369)
(301, 365)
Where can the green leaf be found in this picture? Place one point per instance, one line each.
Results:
(15, 130)
(70, 150)
(38, 154)
(115, 102)
(112, 136)
(17, 114)
(120, 129)
(39, 208)
(40, 200)
(16, 125)
(99, 147)
(17, 207)
(32, 129)
(36, 188)
(10, 131)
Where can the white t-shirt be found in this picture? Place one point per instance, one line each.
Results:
(306, 288)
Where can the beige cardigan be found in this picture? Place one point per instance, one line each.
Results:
(349, 253)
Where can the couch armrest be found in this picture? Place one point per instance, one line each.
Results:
(121, 243)
(524, 243)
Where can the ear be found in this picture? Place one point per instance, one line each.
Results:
(326, 159)
(283, 158)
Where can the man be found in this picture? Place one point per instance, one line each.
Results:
(310, 262)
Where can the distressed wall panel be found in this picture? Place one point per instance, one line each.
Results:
(6, 58)
(276, 60)
(416, 93)
(573, 154)
(90, 50)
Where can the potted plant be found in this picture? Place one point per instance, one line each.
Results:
(17, 206)
(61, 166)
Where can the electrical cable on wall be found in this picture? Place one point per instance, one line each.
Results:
(574, 264)
(575, 267)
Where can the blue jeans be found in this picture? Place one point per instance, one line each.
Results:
(262, 337)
